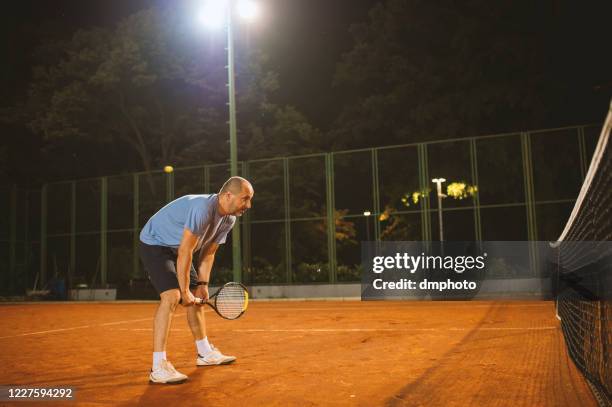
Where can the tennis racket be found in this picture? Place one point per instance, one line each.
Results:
(230, 301)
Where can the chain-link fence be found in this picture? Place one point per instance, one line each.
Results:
(310, 212)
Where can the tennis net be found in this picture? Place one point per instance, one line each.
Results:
(584, 273)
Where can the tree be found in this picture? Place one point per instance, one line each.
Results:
(139, 83)
(428, 70)
(156, 86)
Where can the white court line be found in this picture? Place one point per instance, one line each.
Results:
(304, 330)
(148, 329)
(78, 327)
(289, 330)
(123, 322)
(86, 326)
(307, 330)
(545, 328)
(46, 332)
(394, 308)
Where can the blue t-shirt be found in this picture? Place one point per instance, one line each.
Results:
(198, 213)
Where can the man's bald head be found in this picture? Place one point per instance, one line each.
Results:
(235, 196)
(235, 185)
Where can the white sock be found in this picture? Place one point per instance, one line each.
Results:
(157, 358)
(203, 346)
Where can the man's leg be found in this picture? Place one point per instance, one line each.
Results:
(197, 321)
(159, 264)
(208, 355)
(163, 318)
(163, 371)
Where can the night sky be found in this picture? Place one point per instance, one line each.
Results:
(306, 41)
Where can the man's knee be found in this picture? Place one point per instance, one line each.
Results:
(170, 299)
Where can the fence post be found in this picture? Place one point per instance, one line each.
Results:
(532, 231)
(424, 186)
(135, 224)
(13, 239)
(236, 252)
(26, 238)
(103, 229)
(72, 229)
(287, 200)
(474, 170)
(375, 195)
(43, 235)
(331, 221)
(246, 231)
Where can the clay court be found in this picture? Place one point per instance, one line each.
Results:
(302, 353)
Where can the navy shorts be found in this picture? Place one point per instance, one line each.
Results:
(160, 265)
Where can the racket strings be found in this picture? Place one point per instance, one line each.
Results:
(231, 301)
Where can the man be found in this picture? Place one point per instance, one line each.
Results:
(167, 243)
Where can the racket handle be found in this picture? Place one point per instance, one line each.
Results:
(200, 301)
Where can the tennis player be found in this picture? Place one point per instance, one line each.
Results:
(168, 242)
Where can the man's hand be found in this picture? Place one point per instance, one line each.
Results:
(187, 299)
(202, 292)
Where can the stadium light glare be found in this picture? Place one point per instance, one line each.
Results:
(213, 14)
(248, 9)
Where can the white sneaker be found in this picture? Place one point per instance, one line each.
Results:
(165, 373)
(214, 357)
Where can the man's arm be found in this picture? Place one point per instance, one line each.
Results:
(206, 261)
(207, 258)
(183, 261)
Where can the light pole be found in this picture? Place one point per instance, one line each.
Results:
(214, 13)
(438, 182)
(236, 248)
(231, 96)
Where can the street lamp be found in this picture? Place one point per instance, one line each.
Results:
(438, 182)
(248, 9)
(214, 14)
(367, 215)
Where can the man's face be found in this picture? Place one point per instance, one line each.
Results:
(239, 203)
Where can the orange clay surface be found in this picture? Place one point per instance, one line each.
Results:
(301, 354)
